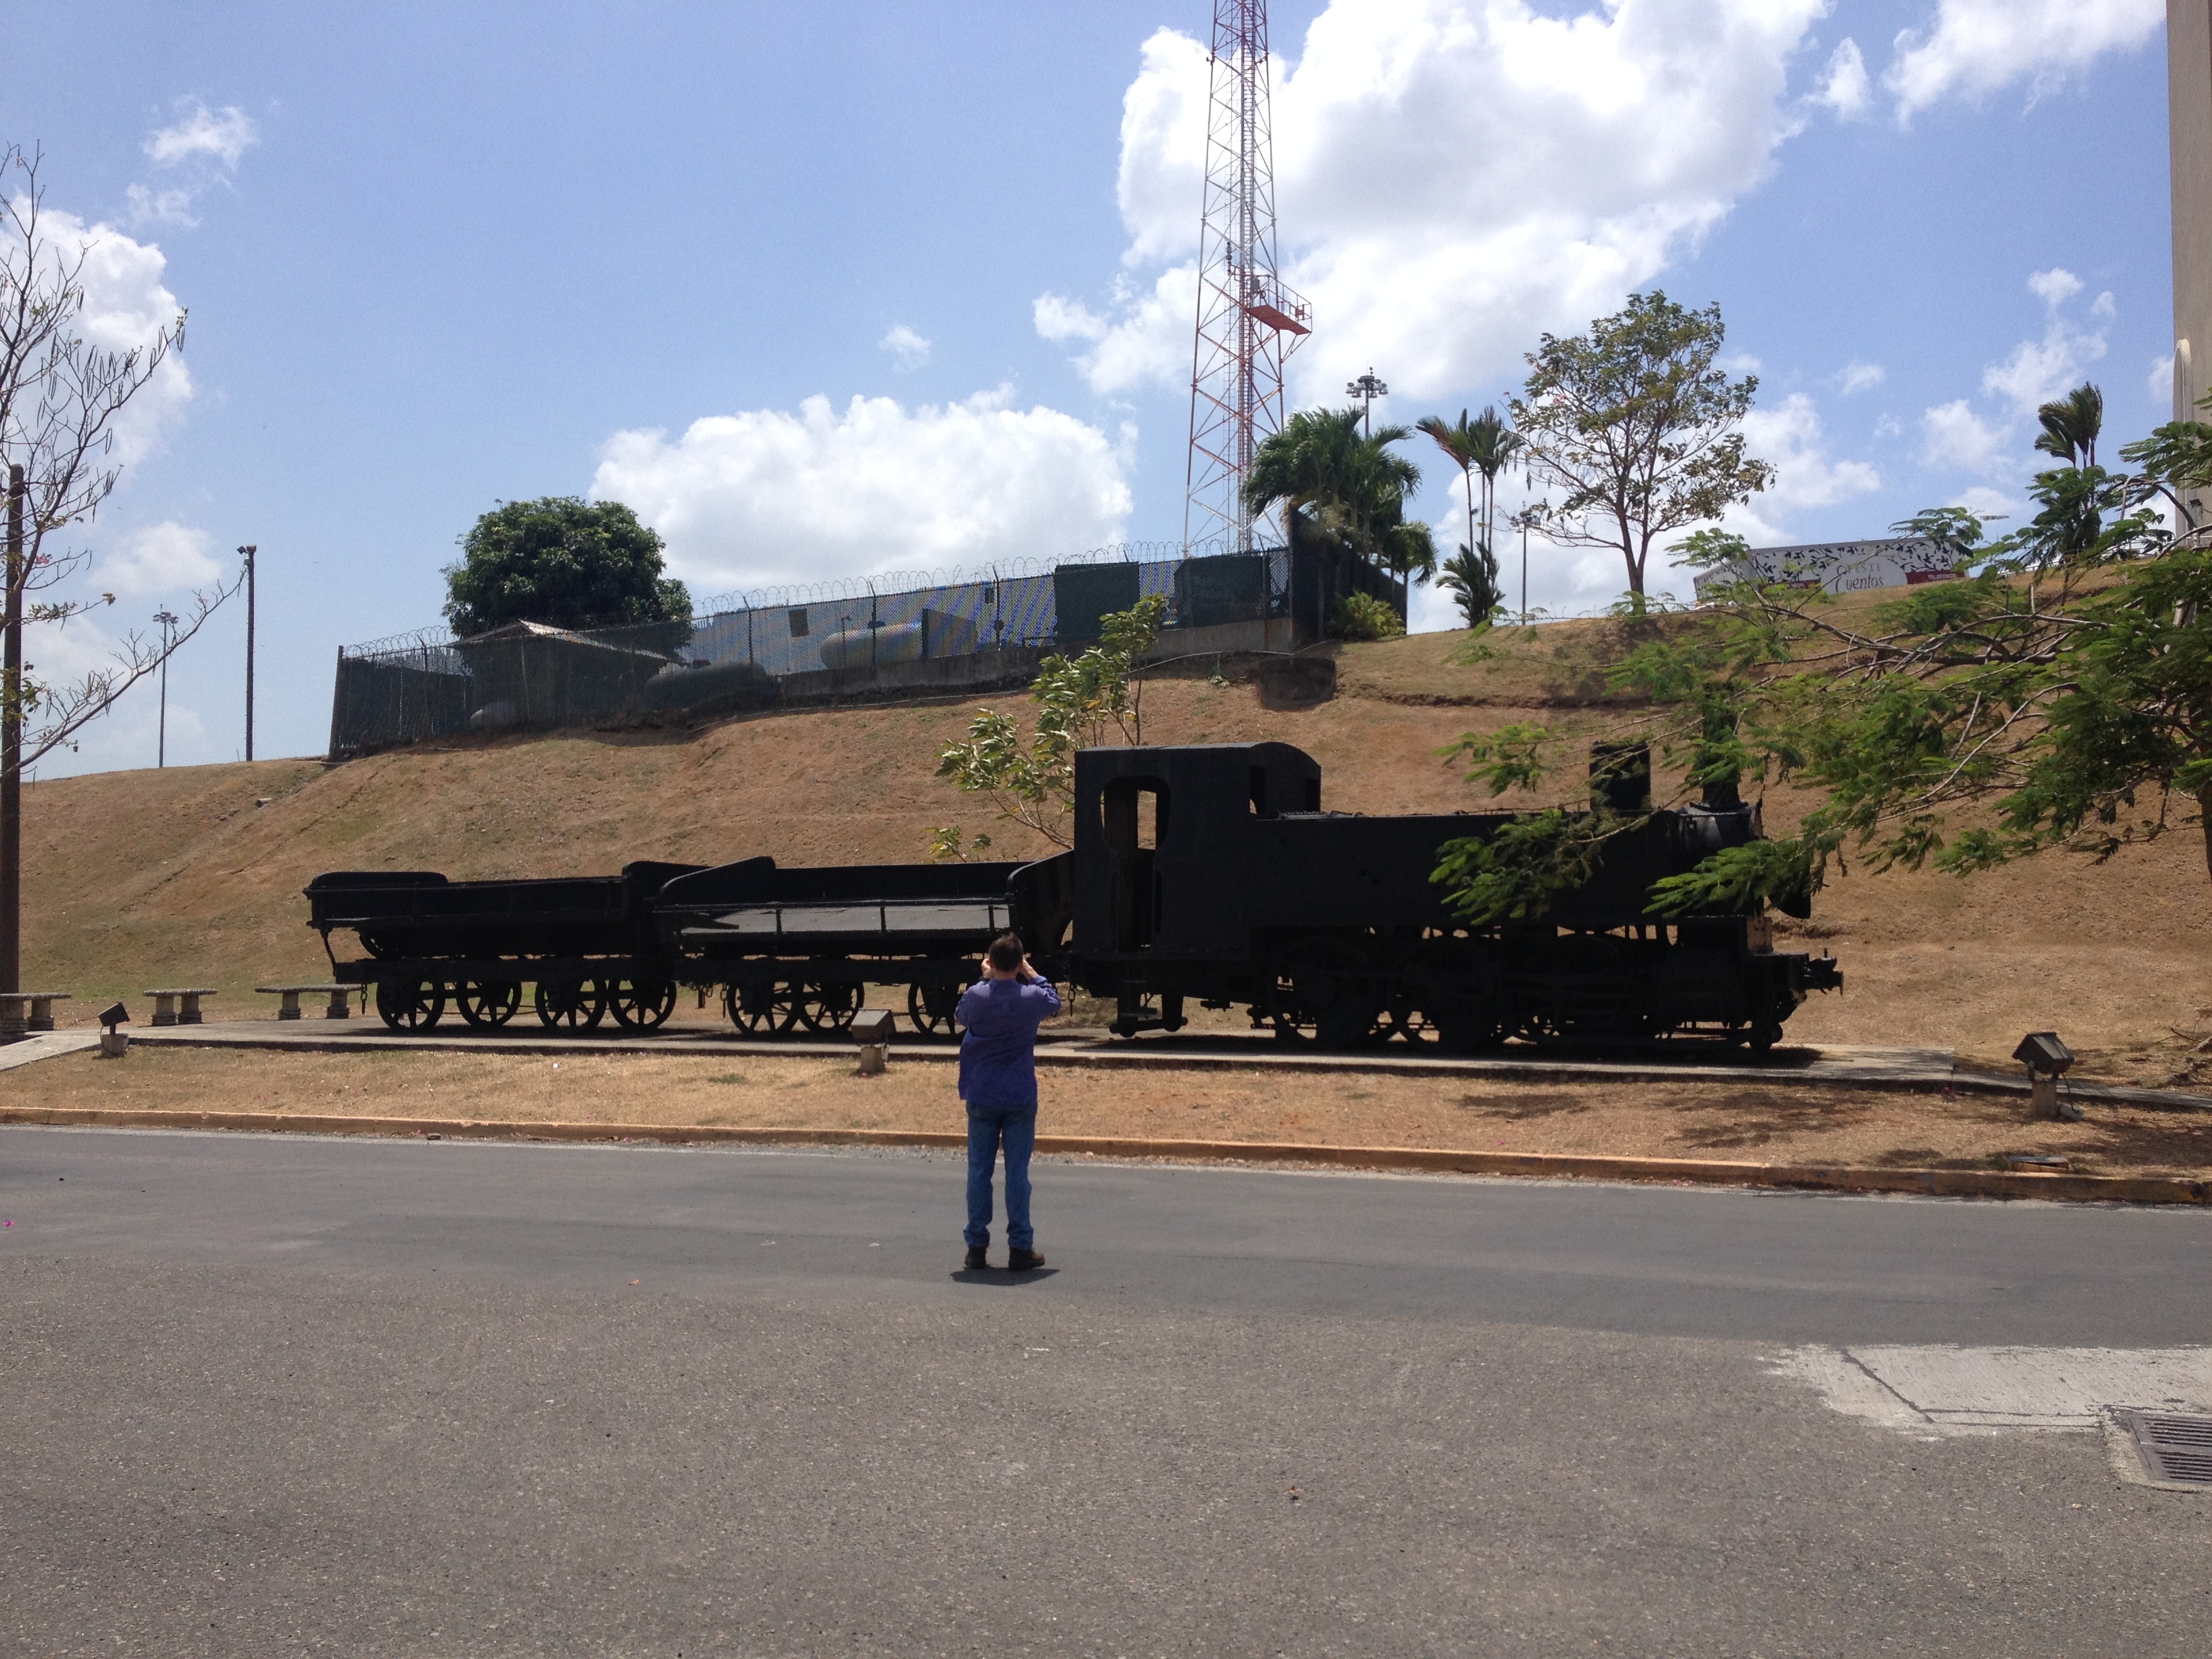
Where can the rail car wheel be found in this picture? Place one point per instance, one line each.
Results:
(1325, 992)
(570, 1005)
(642, 1006)
(761, 1010)
(1410, 1025)
(930, 1007)
(828, 1010)
(487, 1006)
(409, 1007)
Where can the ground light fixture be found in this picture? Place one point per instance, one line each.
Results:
(2047, 1060)
(114, 1044)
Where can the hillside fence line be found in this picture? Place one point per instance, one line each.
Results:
(742, 652)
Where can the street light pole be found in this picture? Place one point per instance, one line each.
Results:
(247, 553)
(1367, 389)
(1526, 520)
(161, 743)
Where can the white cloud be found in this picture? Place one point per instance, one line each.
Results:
(2054, 286)
(126, 304)
(1059, 318)
(766, 498)
(159, 559)
(2039, 370)
(1978, 47)
(1954, 436)
(1888, 426)
(2160, 382)
(1844, 87)
(908, 349)
(1788, 434)
(1150, 342)
(1861, 377)
(1988, 502)
(160, 207)
(206, 145)
(2105, 305)
(1454, 178)
(218, 135)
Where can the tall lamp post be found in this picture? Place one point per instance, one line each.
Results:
(1364, 390)
(247, 553)
(161, 748)
(1525, 520)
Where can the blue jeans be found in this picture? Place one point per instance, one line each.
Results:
(988, 1127)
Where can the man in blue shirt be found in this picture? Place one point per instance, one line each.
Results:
(998, 1016)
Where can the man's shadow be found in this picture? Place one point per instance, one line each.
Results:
(1000, 1277)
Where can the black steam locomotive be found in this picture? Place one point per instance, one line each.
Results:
(1208, 873)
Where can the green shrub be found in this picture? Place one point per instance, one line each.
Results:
(1363, 617)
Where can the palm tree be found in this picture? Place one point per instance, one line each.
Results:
(1471, 575)
(1348, 482)
(1484, 445)
(2070, 426)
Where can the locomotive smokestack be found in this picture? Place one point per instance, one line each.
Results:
(1620, 777)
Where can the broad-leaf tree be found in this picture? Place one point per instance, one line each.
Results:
(563, 561)
(2055, 695)
(1638, 426)
(1077, 702)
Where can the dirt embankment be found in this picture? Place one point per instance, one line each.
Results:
(192, 875)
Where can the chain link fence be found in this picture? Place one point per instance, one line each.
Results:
(742, 652)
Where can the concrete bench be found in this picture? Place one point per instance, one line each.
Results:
(290, 1008)
(165, 1012)
(22, 1012)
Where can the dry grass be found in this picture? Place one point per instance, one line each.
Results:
(1726, 1122)
(147, 878)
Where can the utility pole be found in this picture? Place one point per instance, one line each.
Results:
(161, 750)
(247, 553)
(1364, 390)
(11, 749)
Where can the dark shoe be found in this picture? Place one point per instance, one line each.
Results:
(1020, 1261)
(976, 1257)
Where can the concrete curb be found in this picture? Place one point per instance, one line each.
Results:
(1832, 1178)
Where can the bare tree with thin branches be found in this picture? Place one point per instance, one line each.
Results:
(60, 395)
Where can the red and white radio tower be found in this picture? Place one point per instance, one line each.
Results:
(1247, 321)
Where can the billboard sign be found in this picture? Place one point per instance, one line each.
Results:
(1841, 567)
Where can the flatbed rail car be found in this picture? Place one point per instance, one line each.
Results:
(586, 946)
(1211, 872)
(792, 948)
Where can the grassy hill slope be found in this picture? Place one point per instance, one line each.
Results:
(178, 877)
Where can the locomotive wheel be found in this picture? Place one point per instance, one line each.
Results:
(828, 1010)
(1325, 992)
(1411, 1024)
(487, 1006)
(761, 1010)
(643, 1006)
(931, 1008)
(570, 1005)
(409, 1007)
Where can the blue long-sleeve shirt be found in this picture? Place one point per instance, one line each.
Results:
(998, 1045)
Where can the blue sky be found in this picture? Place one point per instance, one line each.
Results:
(437, 256)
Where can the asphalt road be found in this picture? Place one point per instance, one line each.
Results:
(279, 1395)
